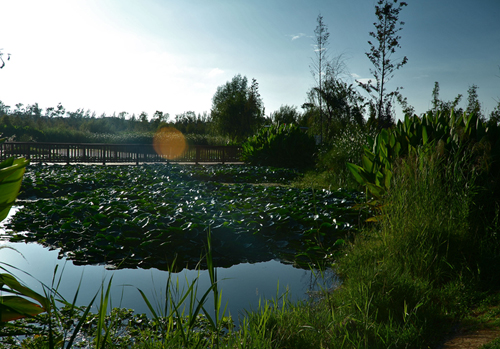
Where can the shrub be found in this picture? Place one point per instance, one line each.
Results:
(346, 147)
(280, 146)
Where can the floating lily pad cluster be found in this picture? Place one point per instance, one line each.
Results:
(152, 215)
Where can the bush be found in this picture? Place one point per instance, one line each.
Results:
(346, 147)
(280, 146)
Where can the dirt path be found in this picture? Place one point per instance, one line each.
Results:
(471, 339)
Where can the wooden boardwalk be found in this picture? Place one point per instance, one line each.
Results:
(114, 153)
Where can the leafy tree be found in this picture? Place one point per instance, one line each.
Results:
(333, 103)
(286, 115)
(387, 27)
(237, 109)
(403, 102)
(160, 116)
(343, 104)
(4, 109)
(59, 111)
(339, 103)
(435, 97)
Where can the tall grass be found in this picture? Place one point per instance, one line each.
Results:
(410, 277)
(417, 272)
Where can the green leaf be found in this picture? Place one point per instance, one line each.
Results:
(11, 175)
(367, 163)
(425, 138)
(14, 308)
(355, 170)
(13, 283)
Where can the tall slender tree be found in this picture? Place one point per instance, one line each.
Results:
(318, 66)
(444, 106)
(436, 102)
(473, 104)
(387, 41)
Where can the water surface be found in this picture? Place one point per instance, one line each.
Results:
(242, 285)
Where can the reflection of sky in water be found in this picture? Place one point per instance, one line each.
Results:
(242, 285)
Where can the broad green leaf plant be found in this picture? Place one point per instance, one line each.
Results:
(15, 305)
(441, 134)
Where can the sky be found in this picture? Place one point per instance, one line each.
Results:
(111, 56)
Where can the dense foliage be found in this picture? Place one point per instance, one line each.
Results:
(344, 148)
(286, 114)
(281, 146)
(434, 253)
(474, 144)
(237, 108)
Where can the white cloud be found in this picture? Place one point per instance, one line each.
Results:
(358, 78)
(215, 72)
(297, 36)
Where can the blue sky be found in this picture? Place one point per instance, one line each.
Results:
(127, 55)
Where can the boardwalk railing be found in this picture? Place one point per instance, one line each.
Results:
(113, 153)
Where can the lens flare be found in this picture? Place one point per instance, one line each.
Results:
(169, 143)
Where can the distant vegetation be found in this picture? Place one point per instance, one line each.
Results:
(32, 124)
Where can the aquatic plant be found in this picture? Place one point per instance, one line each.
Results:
(144, 216)
(443, 134)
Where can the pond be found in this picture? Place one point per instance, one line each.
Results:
(142, 221)
(242, 285)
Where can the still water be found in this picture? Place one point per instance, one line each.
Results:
(242, 285)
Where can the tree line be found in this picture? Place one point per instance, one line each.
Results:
(56, 124)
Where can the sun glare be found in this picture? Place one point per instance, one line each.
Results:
(169, 143)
